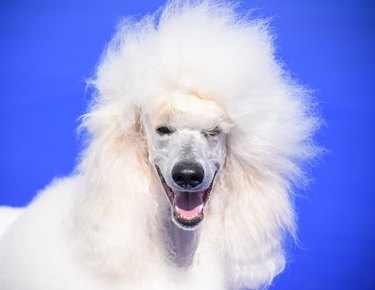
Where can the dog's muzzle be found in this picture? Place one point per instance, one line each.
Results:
(187, 204)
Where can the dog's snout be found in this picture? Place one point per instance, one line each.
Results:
(188, 174)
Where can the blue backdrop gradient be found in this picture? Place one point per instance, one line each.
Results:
(49, 48)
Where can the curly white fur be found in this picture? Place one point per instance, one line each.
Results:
(107, 226)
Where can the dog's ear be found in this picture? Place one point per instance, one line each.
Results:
(114, 132)
(116, 198)
(258, 214)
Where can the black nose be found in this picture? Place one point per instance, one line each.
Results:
(188, 174)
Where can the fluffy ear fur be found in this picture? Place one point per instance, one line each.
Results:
(264, 158)
(257, 214)
(117, 186)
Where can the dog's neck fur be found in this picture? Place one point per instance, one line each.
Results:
(182, 244)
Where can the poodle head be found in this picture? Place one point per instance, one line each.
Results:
(186, 137)
(194, 98)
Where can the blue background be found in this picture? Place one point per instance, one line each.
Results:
(49, 48)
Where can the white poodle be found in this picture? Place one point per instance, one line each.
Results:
(197, 135)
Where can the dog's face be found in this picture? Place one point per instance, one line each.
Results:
(186, 137)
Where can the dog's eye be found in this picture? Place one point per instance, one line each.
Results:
(212, 133)
(164, 130)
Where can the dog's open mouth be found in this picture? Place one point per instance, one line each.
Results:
(187, 206)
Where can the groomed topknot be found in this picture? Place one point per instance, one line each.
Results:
(215, 50)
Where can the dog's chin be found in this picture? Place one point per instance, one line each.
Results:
(187, 206)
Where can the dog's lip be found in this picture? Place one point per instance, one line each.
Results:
(187, 218)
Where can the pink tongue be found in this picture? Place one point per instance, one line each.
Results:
(189, 204)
